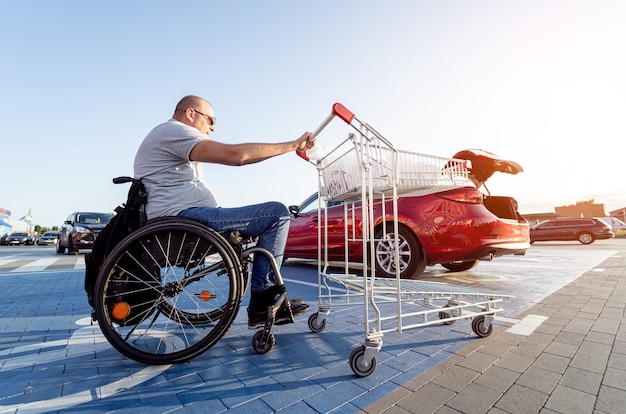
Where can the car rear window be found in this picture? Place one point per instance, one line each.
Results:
(576, 222)
(90, 218)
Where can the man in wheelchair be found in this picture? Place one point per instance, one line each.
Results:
(169, 162)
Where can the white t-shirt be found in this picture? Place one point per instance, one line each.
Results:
(172, 181)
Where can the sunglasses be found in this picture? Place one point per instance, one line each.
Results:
(207, 117)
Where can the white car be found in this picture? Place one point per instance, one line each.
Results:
(615, 224)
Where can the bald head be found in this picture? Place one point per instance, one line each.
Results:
(189, 101)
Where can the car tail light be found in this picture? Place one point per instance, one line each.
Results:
(463, 195)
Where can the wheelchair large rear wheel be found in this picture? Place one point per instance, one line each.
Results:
(169, 291)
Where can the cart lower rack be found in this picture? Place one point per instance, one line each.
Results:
(405, 305)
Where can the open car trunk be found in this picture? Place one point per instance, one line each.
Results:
(484, 164)
(503, 207)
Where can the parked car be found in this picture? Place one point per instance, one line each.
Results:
(3, 239)
(49, 237)
(80, 230)
(584, 230)
(18, 238)
(455, 228)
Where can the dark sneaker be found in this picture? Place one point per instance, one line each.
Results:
(257, 318)
(298, 307)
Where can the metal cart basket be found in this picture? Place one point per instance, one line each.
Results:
(365, 170)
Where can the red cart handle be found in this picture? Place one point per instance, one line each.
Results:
(338, 110)
(343, 113)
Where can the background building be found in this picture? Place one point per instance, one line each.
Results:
(619, 213)
(9, 224)
(582, 210)
(576, 210)
(5, 227)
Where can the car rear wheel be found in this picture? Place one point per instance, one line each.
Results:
(586, 238)
(411, 257)
(460, 266)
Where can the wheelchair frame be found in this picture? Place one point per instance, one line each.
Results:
(170, 290)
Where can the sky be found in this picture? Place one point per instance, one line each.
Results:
(540, 82)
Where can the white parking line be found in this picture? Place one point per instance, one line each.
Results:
(507, 321)
(527, 325)
(80, 263)
(36, 265)
(73, 263)
(4, 262)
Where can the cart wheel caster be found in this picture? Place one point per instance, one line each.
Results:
(478, 326)
(445, 315)
(357, 364)
(258, 347)
(315, 324)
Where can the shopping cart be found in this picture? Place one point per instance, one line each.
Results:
(363, 171)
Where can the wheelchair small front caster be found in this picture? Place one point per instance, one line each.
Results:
(261, 346)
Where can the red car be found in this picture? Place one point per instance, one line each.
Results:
(455, 228)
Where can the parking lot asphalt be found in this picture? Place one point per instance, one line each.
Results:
(558, 346)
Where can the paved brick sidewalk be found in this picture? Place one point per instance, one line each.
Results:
(573, 362)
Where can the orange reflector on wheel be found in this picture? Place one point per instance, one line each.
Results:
(120, 311)
(205, 295)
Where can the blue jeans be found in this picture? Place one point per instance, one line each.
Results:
(269, 221)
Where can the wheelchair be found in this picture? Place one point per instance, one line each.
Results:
(170, 290)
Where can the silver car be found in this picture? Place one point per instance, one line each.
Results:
(49, 237)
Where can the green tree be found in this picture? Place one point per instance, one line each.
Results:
(41, 230)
